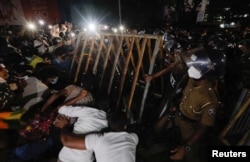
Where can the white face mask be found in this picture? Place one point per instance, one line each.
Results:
(28, 58)
(194, 73)
(23, 78)
(54, 81)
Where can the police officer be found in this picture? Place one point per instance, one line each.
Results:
(199, 103)
(175, 72)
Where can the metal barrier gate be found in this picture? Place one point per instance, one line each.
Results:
(237, 131)
(120, 62)
(118, 59)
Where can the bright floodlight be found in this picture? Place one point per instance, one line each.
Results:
(232, 24)
(115, 30)
(50, 26)
(92, 27)
(41, 22)
(222, 25)
(106, 27)
(121, 28)
(31, 26)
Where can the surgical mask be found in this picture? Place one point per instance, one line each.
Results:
(194, 73)
(23, 78)
(54, 81)
(28, 58)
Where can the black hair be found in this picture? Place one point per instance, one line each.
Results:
(47, 72)
(47, 55)
(117, 121)
(60, 51)
(56, 40)
(103, 103)
(27, 51)
(88, 81)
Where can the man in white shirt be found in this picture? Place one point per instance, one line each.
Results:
(115, 145)
(89, 120)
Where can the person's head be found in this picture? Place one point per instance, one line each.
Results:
(61, 52)
(67, 38)
(57, 41)
(244, 46)
(117, 121)
(104, 103)
(88, 81)
(4, 74)
(204, 62)
(39, 36)
(47, 58)
(55, 30)
(27, 52)
(48, 74)
(171, 48)
(63, 28)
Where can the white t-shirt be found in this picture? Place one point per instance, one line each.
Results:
(42, 49)
(113, 146)
(73, 91)
(34, 86)
(89, 120)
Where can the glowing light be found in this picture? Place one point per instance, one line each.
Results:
(106, 27)
(115, 30)
(232, 24)
(121, 28)
(31, 26)
(222, 25)
(92, 27)
(50, 26)
(41, 22)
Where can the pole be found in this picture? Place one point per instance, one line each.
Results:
(120, 14)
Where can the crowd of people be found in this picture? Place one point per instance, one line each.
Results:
(45, 115)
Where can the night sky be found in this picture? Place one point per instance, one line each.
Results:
(135, 12)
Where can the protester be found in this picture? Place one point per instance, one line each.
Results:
(6, 95)
(47, 60)
(73, 94)
(40, 44)
(109, 146)
(29, 56)
(88, 120)
(62, 60)
(33, 91)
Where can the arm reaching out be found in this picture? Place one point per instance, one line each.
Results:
(69, 139)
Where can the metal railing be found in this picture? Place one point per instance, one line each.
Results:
(119, 61)
(237, 130)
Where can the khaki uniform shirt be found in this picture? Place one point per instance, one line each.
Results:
(199, 103)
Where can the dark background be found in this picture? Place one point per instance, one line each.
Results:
(147, 12)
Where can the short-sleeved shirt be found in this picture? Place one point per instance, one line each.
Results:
(113, 146)
(35, 59)
(73, 91)
(34, 86)
(88, 120)
(62, 65)
(199, 103)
